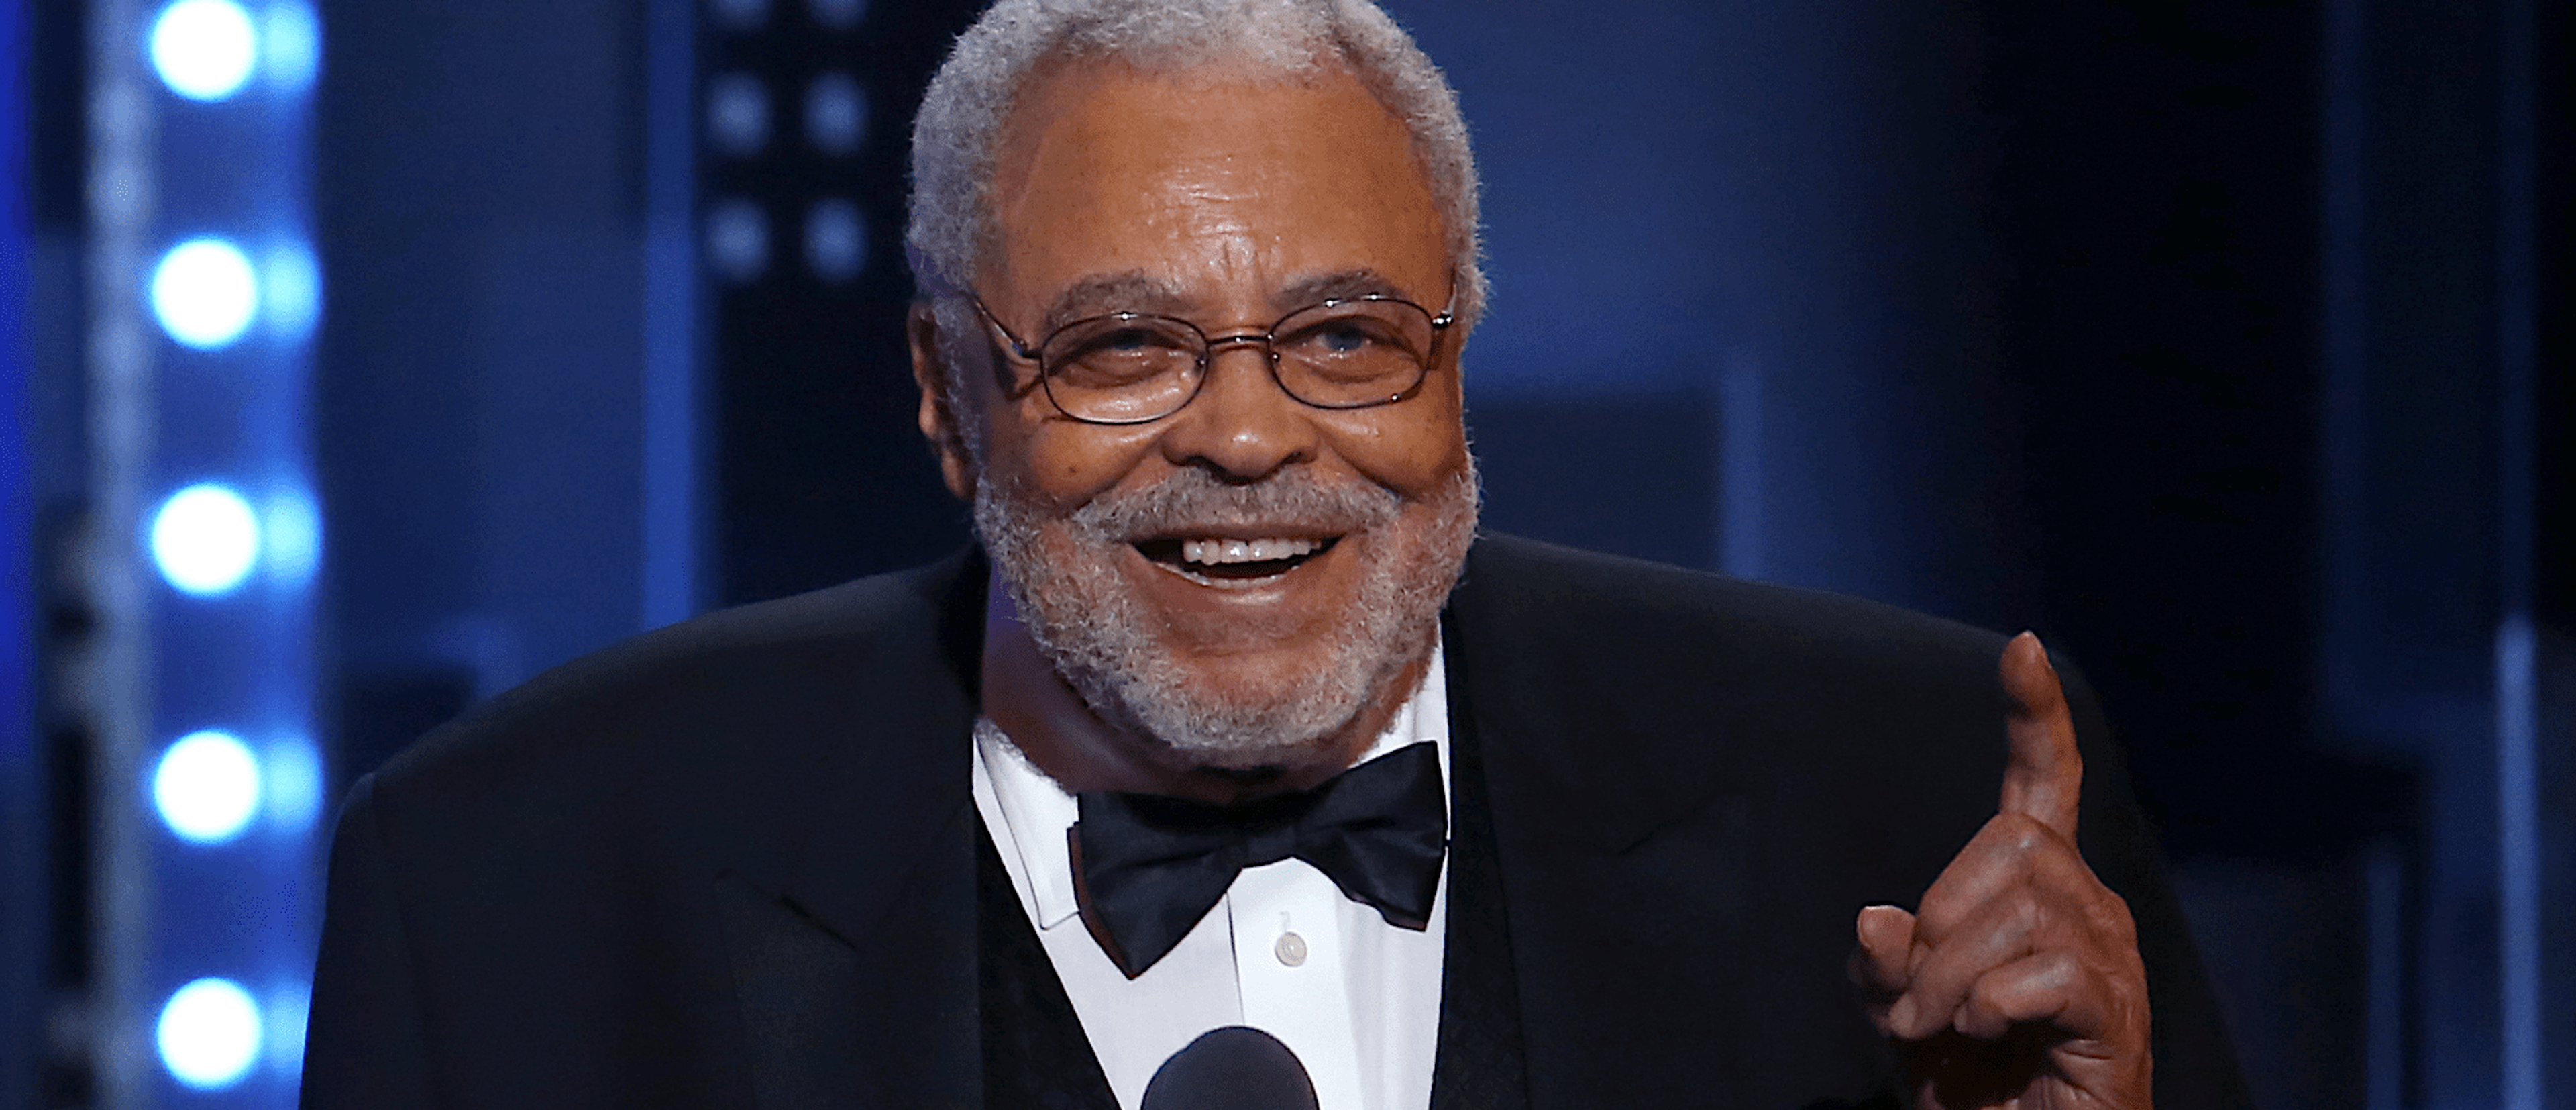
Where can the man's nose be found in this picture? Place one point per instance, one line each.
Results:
(1242, 425)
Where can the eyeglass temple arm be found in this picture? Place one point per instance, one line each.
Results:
(1001, 377)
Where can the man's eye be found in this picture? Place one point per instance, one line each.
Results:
(1339, 338)
(1129, 340)
(1119, 357)
(1344, 339)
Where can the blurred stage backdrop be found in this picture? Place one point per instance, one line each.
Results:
(361, 360)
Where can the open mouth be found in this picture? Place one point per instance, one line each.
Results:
(1219, 558)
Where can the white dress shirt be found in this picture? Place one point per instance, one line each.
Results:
(1286, 952)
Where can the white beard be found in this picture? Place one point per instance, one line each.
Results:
(1095, 630)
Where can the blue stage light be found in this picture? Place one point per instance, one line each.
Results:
(290, 290)
(737, 113)
(290, 46)
(839, 15)
(289, 1007)
(292, 786)
(290, 537)
(206, 787)
(203, 49)
(836, 243)
(739, 15)
(211, 844)
(205, 539)
(737, 239)
(204, 292)
(209, 1034)
(836, 114)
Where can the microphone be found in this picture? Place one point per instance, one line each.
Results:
(1233, 1068)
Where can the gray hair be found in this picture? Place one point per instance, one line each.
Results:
(954, 138)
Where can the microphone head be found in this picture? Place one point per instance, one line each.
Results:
(1233, 1068)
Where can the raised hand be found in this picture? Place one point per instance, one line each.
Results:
(2018, 984)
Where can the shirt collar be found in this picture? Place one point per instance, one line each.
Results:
(1038, 815)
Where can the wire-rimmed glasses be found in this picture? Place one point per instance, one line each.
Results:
(1134, 367)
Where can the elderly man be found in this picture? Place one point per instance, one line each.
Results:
(1245, 770)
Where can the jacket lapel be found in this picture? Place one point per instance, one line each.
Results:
(850, 922)
(1480, 1063)
(1590, 814)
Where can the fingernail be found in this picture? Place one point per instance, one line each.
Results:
(2036, 642)
(1900, 1017)
(1861, 923)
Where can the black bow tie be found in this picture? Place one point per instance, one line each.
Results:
(1150, 867)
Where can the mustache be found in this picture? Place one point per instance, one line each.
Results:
(1196, 499)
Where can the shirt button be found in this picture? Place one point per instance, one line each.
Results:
(1291, 949)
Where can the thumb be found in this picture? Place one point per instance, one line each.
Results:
(1886, 955)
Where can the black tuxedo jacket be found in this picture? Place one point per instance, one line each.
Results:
(732, 863)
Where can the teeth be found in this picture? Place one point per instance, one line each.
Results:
(1213, 552)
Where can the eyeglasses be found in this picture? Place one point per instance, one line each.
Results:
(1134, 368)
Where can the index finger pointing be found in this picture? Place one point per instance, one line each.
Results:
(2044, 773)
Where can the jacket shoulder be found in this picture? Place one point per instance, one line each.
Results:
(709, 714)
(1552, 601)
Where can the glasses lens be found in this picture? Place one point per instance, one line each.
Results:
(1122, 368)
(1355, 353)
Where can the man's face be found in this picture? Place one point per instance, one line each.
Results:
(1227, 205)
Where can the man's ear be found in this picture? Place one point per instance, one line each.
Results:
(938, 414)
